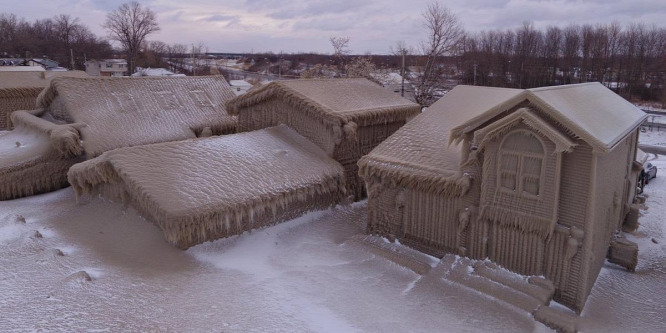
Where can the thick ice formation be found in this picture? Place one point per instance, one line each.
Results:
(306, 275)
(122, 112)
(203, 189)
(526, 178)
(19, 90)
(29, 164)
(83, 117)
(347, 118)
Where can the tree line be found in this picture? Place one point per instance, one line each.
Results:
(57, 38)
(630, 60)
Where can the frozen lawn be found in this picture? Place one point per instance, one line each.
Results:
(299, 276)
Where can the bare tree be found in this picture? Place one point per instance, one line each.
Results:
(570, 50)
(199, 60)
(360, 67)
(320, 71)
(176, 54)
(8, 33)
(66, 28)
(444, 32)
(402, 50)
(340, 50)
(340, 46)
(129, 25)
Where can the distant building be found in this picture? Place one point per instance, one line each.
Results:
(154, 72)
(11, 61)
(107, 67)
(240, 87)
(47, 64)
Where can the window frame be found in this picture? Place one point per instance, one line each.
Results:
(519, 173)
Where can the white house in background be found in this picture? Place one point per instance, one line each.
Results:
(107, 67)
(240, 87)
(393, 81)
(155, 72)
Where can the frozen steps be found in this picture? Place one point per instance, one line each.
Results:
(531, 294)
(416, 261)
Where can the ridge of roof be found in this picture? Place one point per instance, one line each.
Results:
(564, 86)
(291, 92)
(562, 108)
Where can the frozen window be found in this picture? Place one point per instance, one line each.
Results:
(521, 164)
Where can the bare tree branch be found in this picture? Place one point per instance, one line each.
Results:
(129, 25)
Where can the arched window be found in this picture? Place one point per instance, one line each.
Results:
(521, 157)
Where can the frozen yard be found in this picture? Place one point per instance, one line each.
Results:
(301, 276)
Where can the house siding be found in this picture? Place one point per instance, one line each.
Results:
(328, 137)
(9, 105)
(573, 205)
(609, 194)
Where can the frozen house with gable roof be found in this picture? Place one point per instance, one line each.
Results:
(346, 118)
(539, 181)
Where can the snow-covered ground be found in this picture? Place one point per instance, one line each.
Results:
(301, 276)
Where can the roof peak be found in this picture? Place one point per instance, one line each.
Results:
(564, 86)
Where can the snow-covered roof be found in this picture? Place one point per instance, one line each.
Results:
(429, 146)
(115, 61)
(421, 146)
(120, 112)
(389, 78)
(240, 83)
(46, 63)
(22, 69)
(32, 79)
(155, 72)
(335, 100)
(590, 111)
(216, 187)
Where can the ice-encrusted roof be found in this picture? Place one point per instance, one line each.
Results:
(336, 100)
(594, 112)
(215, 179)
(429, 146)
(121, 112)
(421, 148)
(590, 111)
(32, 79)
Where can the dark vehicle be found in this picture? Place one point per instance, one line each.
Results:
(649, 172)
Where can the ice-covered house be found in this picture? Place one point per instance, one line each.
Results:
(539, 181)
(19, 90)
(346, 118)
(80, 118)
(297, 151)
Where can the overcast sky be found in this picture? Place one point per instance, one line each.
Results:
(306, 25)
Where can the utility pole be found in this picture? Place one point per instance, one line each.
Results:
(280, 65)
(474, 73)
(402, 75)
(71, 58)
